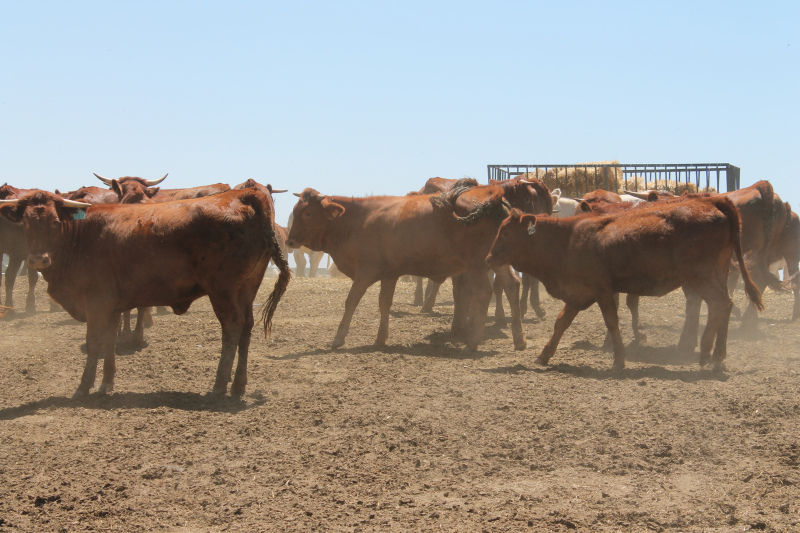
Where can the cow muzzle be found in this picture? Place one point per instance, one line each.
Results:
(39, 262)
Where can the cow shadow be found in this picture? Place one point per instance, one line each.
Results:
(434, 349)
(184, 401)
(629, 374)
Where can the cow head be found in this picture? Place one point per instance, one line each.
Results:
(41, 214)
(311, 215)
(253, 184)
(517, 232)
(132, 190)
(533, 196)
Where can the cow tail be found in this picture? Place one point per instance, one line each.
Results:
(274, 250)
(263, 204)
(729, 209)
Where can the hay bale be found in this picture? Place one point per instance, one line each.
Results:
(640, 183)
(574, 182)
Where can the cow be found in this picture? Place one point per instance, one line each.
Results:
(531, 196)
(125, 256)
(648, 251)
(381, 238)
(12, 243)
(132, 189)
(299, 254)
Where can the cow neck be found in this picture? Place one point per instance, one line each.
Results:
(67, 248)
(344, 225)
(551, 237)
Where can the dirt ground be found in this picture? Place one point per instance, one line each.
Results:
(415, 437)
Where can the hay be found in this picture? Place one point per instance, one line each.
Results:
(640, 183)
(4, 310)
(574, 182)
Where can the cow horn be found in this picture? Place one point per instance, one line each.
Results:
(14, 201)
(523, 180)
(297, 194)
(276, 191)
(73, 203)
(639, 195)
(150, 183)
(104, 180)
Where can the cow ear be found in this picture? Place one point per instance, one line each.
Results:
(67, 213)
(584, 207)
(12, 212)
(116, 188)
(332, 209)
(515, 214)
(152, 191)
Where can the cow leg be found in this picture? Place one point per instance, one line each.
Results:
(791, 270)
(314, 259)
(385, 304)
(11, 277)
(239, 384)
(632, 303)
(357, 290)
(460, 307)
(536, 304)
(101, 333)
(510, 284)
(608, 341)
(691, 324)
(608, 306)
(142, 314)
(418, 290)
(564, 319)
(719, 311)
(431, 291)
(733, 280)
(499, 314)
(30, 302)
(125, 337)
(523, 297)
(479, 292)
(231, 317)
(300, 261)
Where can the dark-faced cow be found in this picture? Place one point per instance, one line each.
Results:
(648, 251)
(125, 256)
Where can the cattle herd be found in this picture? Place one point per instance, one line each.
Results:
(133, 245)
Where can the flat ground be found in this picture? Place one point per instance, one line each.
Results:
(418, 436)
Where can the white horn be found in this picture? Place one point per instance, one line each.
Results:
(276, 191)
(297, 194)
(14, 201)
(104, 180)
(150, 183)
(73, 203)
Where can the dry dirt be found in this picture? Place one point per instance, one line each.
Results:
(415, 437)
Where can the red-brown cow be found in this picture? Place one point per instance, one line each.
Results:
(384, 237)
(12, 243)
(125, 256)
(648, 251)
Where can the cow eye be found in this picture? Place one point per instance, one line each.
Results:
(307, 214)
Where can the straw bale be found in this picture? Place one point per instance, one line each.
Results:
(640, 183)
(575, 182)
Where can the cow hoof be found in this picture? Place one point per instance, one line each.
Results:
(540, 312)
(520, 345)
(471, 348)
(31, 310)
(237, 392)
(105, 388)
(704, 359)
(219, 390)
(426, 309)
(618, 366)
(719, 367)
(80, 394)
(541, 361)
(337, 343)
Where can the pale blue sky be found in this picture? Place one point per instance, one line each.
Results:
(360, 98)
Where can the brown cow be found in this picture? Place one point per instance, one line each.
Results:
(125, 256)
(12, 243)
(648, 251)
(384, 237)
